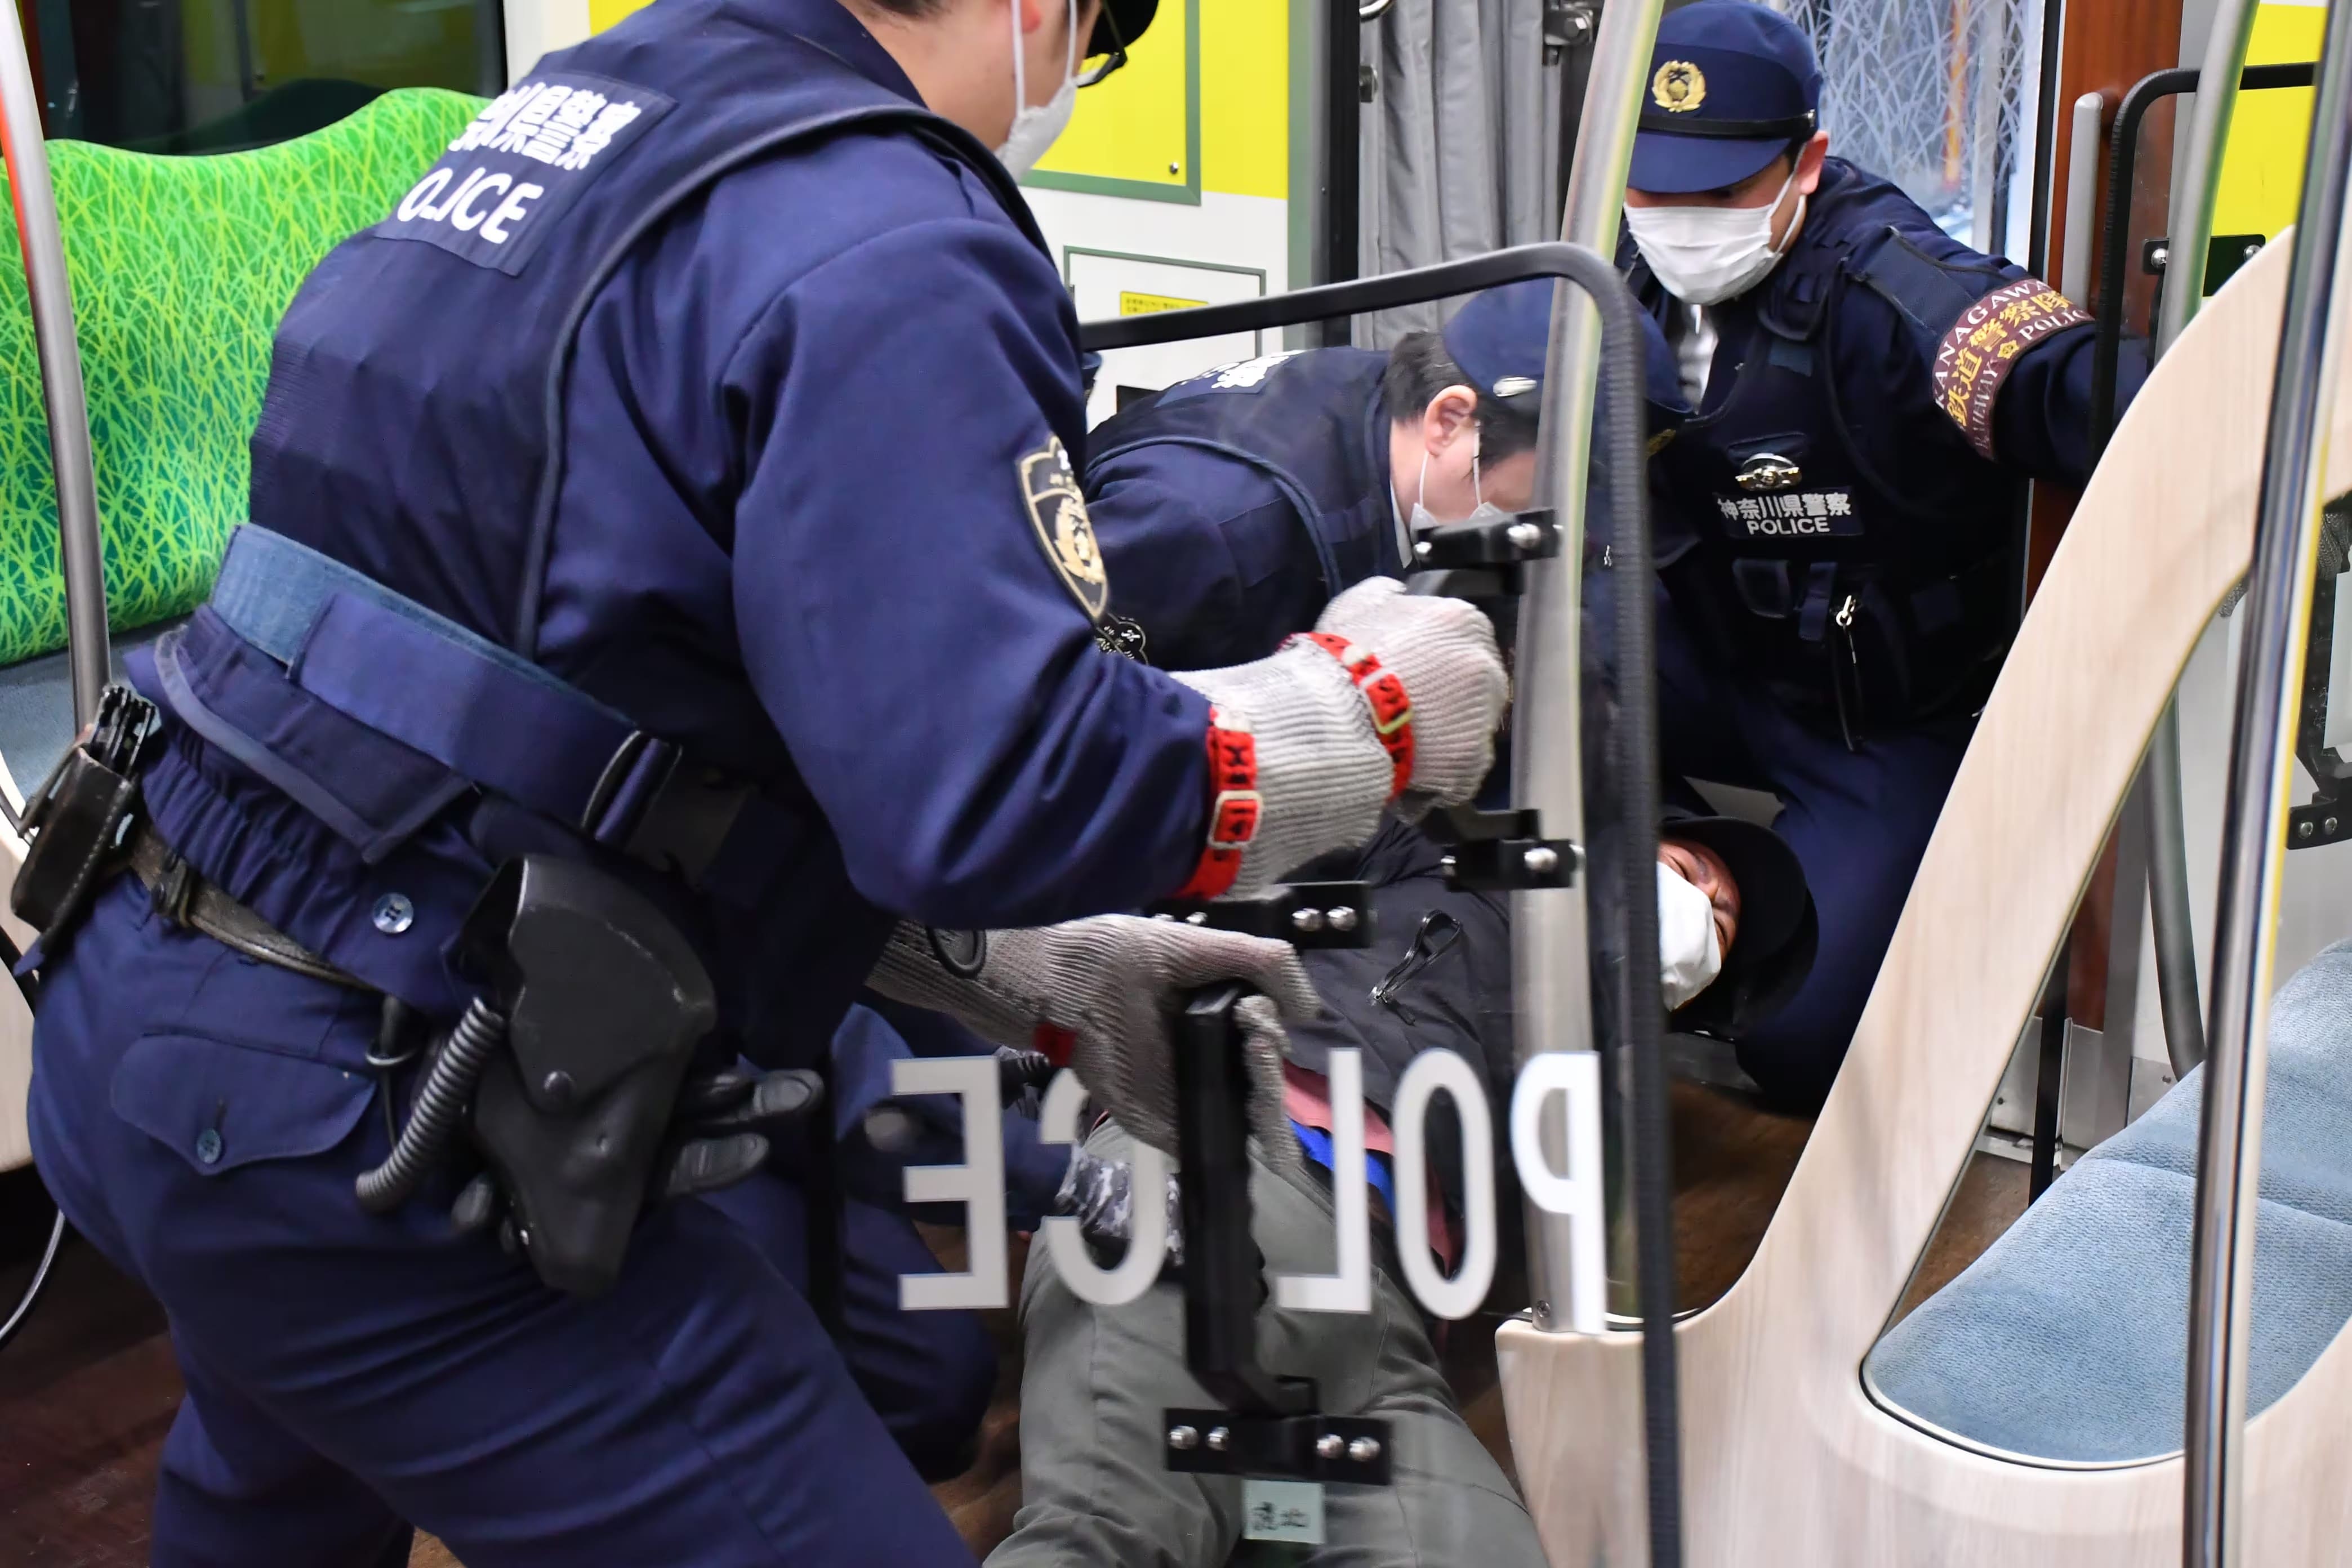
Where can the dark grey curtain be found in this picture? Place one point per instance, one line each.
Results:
(1460, 151)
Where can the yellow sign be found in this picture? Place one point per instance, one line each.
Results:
(603, 13)
(2262, 167)
(1131, 303)
(1135, 126)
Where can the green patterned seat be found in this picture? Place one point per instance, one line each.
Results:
(182, 268)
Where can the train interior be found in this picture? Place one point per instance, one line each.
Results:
(1950, 1312)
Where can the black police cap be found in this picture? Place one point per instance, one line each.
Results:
(1122, 23)
(1732, 84)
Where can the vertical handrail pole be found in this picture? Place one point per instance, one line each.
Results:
(2200, 178)
(1551, 980)
(2172, 926)
(2082, 195)
(24, 144)
(2171, 930)
(1343, 184)
(1551, 977)
(2253, 843)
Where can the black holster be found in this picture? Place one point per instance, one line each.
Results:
(79, 819)
(603, 1003)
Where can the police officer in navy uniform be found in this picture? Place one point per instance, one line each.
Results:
(675, 493)
(1237, 502)
(1856, 397)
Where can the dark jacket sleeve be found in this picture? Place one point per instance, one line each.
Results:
(2043, 421)
(1205, 555)
(2002, 360)
(909, 594)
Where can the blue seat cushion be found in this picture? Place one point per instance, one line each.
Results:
(2068, 1339)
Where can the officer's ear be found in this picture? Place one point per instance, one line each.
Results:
(1451, 415)
(1808, 162)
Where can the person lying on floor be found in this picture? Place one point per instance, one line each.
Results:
(1231, 507)
(1096, 1380)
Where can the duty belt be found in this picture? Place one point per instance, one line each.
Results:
(459, 711)
(186, 899)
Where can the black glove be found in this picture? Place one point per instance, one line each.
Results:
(719, 1134)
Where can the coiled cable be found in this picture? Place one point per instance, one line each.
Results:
(439, 1111)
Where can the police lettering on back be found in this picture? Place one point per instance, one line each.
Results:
(508, 177)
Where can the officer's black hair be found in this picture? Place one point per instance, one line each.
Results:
(1420, 368)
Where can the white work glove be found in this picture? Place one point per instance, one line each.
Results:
(1401, 700)
(1444, 651)
(1105, 995)
(1690, 954)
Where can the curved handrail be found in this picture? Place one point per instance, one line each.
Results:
(2255, 816)
(81, 552)
(2115, 226)
(2200, 181)
(2167, 860)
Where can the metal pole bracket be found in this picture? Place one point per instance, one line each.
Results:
(1303, 914)
(1349, 1450)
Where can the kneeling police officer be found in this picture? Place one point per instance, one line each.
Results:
(1856, 397)
(603, 691)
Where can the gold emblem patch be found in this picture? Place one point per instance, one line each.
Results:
(1057, 510)
(1678, 87)
(1769, 471)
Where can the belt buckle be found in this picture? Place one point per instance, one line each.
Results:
(631, 780)
(175, 887)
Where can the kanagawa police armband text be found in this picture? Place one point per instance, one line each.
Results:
(1057, 510)
(1977, 355)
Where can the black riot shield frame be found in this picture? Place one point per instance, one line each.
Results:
(1270, 1426)
(50, 292)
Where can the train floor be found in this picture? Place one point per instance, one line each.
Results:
(88, 1390)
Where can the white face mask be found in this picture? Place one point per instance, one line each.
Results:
(1036, 128)
(1707, 255)
(1485, 511)
(1690, 954)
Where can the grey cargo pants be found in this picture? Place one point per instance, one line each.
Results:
(1096, 1379)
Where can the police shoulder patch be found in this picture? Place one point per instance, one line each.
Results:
(1977, 355)
(1057, 510)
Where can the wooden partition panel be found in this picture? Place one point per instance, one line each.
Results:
(2105, 47)
(1788, 1464)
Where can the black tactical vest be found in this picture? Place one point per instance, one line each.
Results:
(1869, 579)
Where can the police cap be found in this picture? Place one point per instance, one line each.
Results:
(1121, 22)
(1731, 85)
(1499, 339)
